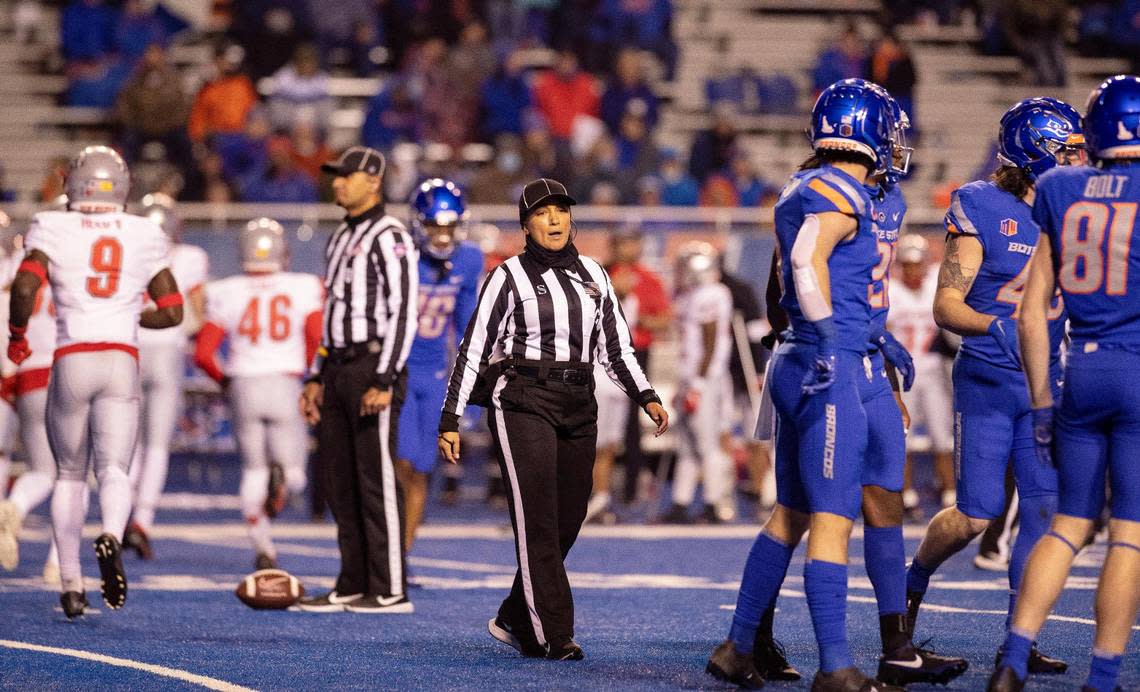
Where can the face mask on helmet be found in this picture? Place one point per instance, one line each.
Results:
(438, 217)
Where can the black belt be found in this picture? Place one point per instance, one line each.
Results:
(354, 351)
(572, 375)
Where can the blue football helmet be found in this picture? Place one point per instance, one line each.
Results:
(1036, 135)
(1112, 119)
(855, 115)
(438, 216)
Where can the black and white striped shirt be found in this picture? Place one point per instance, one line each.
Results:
(371, 288)
(527, 311)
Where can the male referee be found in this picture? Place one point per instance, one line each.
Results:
(356, 385)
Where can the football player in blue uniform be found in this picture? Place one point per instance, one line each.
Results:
(991, 238)
(449, 289)
(827, 251)
(1089, 250)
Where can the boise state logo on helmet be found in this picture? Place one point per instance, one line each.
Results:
(438, 213)
(1037, 134)
(855, 115)
(1112, 119)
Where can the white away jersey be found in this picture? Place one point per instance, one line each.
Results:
(191, 268)
(100, 266)
(911, 318)
(41, 325)
(698, 306)
(263, 315)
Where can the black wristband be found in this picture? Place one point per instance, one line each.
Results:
(382, 381)
(648, 397)
(448, 422)
(313, 379)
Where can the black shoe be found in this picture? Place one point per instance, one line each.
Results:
(677, 514)
(849, 680)
(381, 605)
(737, 668)
(709, 516)
(136, 539)
(913, 602)
(331, 602)
(502, 631)
(772, 661)
(916, 664)
(565, 651)
(449, 496)
(278, 492)
(74, 603)
(265, 561)
(1039, 663)
(112, 577)
(1005, 680)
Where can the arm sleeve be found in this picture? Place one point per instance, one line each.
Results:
(399, 268)
(615, 347)
(496, 301)
(209, 338)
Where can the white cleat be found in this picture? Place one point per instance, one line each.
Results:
(9, 530)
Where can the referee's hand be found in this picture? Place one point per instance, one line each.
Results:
(660, 416)
(449, 446)
(374, 401)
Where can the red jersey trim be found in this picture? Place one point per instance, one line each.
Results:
(30, 380)
(96, 346)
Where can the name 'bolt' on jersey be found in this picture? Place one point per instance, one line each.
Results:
(1004, 225)
(888, 208)
(99, 266)
(447, 297)
(818, 191)
(1089, 215)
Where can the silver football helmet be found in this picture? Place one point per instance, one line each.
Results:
(913, 248)
(696, 264)
(262, 246)
(159, 208)
(98, 180)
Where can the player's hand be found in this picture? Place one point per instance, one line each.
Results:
(449, 446)
(896, 354)
(374, 401)
(821, 372)
(1005, 334)
(659, 415)
(905, 413)
(312, 396)
(18, 349)
(1043, 433)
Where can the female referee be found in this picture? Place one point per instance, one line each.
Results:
(544, 317)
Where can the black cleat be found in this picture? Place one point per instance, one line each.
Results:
(849, 680)
(503, 632)
(916, 664)
(737, 668)
(112, 577)
(74, 603)
(278, 492)
(566, 651)
(772, 661)
(136, 539)
(913, 603)
(449, 496)
(677, 514)
(1005, 680)
(265, 561)
(1039, 663)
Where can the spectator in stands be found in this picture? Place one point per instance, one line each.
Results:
(300, 91)
(7, 194)
(281, 180)
(26, 21)
(751, 189)
(308, 148)
(501, 181)
(649, 191)
(539, 152)
(512, 21)
(637, 154)
(627, 88)
(678, 187)
(447, 111)
(270, 31)
(137, 28)
(504, 98)
(1126, 31)
(719, 191)
(153, 108)
(892, 68)
(646, 24)
(243, 154)
(845, 59)
(391, 116)
(87, 31)
(599, 165)
(223, 103)
(714, 148)
(472, 61)
(345, 29)
(564, 93)
(1036, 30)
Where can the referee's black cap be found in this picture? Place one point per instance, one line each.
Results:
(363, 159)
(541, 192)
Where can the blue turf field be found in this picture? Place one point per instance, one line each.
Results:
(651, 603)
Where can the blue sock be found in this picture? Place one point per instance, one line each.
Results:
(1104, 670)
(826, 587)
(1009, 611)
(1015, 653)
(918, 576)
(885, 557)
(1034, 515)
(763, 574)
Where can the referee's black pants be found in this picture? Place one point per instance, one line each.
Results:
(357, 454)
(546, 435)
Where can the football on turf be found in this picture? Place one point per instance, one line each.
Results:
(270, 589)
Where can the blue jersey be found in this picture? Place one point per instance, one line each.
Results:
(1004, 225)
(448, 294)
(1089, 215)
(818, 191)
(888, 207)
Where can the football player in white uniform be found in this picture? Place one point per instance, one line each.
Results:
(162, 364)
(704, 311)
(272, 318)
(929, 400)
(98, 261)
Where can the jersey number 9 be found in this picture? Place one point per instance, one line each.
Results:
(107, 262)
